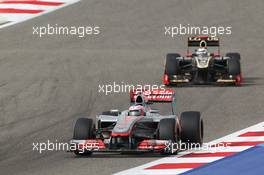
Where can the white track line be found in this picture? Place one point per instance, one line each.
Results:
(14, 18)
(149, 168)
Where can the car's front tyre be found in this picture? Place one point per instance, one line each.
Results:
(234, 67)
(167, 131)
(192, 129)
(83, 130)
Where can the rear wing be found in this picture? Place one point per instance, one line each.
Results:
(203, 41)
(153, 96)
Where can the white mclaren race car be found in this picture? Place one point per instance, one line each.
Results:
(138, 129)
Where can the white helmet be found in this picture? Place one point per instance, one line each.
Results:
(136, 110)
(200, 51)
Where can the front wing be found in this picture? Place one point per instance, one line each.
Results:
(177, 79)
(97, 145)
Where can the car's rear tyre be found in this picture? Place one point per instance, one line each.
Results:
(83, 130)
(233, 64)
(167, 131)
(172, 64)
(191, 127)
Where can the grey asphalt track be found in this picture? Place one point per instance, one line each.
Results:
(46, 83)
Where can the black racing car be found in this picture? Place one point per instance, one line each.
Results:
(201, 66)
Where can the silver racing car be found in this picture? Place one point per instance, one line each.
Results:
(140, 128)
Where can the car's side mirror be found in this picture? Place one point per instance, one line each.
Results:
(154, 111)
(114, 110)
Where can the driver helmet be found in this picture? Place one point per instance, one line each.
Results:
(137, 110)
(201, 52)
